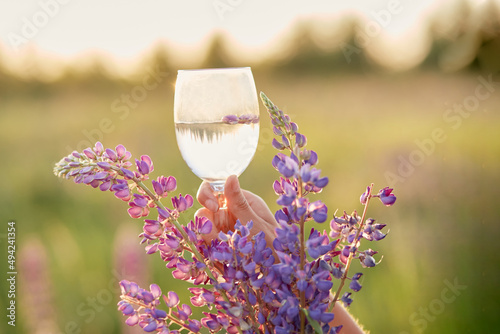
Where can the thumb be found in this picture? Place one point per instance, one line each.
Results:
(236, 201)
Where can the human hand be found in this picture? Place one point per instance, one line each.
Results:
(242, 205)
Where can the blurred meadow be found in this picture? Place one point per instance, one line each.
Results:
(431, 131)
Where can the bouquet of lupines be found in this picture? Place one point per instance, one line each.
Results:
(244, 285)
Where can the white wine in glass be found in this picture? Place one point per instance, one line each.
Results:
(216, 115)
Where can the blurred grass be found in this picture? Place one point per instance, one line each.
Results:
(443, 226)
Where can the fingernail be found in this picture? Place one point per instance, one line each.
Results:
(212, 205)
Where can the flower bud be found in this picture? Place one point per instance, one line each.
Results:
(104, 165)
(98, 148)
(322, 182)
(305, 155)
(300, 139)
(277, 131)
(278, 189)
(277, 145)
(346, 299)
(88, 152)
(120, 151)
(313, 158)
(364, 196)
(285, 141)
(128, 174)
(111, 155)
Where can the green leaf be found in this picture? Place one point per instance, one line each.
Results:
(312, 322)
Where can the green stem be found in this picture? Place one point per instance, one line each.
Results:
(353, 245)
(251, 310)
(302, 264)
(302, 294)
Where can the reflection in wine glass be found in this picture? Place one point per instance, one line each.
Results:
(216, 115)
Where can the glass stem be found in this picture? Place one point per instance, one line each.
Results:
(221, 217)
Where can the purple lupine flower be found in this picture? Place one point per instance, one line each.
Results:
(98, 149)
(145, 165)
(248, 119)
(148, 325)
(278, 145)
(201, 296)
(373, 231)
(128, 174)
(89, 153)
(164, 214)
(132, 294)
(312, 179)
(111, 154)
(104, 165)
(355, 285)
(287, 166)
(317, 244)
(321, 281)
(121, 190)
(182, 203)
(202, 225)
(319, 211)
(100, 168)
(151, 228)
(313, 158)
(277, 131)
(171, 299)
(139, 206)
(346, 298)
(288, 196)
(300, 139)
(243, 119)
(211, 322)
(183, 312)
(141, 308)
(366, 260)
(163, 185)
(121, 151)
(386, 196)
(230, 119)
(285, 141)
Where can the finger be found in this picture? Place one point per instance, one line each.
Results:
(206, 197)
(236, 201)
(259, 205)
(265, 222)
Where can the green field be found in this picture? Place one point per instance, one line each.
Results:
(440, 267)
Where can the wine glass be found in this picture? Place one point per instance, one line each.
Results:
(216, 115)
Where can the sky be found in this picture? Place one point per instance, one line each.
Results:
(124, 30)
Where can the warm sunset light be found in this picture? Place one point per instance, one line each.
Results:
(395, 34)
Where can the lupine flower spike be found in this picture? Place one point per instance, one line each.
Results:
(247, 287)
